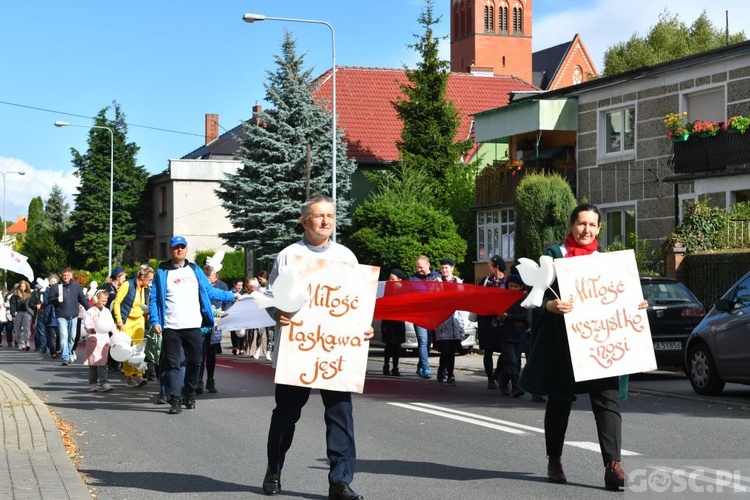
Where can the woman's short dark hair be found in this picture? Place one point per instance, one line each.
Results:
(584, 207)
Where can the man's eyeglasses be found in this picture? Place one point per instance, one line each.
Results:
(179, 247)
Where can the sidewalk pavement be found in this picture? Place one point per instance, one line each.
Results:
(35, 464)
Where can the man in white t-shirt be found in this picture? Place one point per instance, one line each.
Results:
(318, 216)
(180, 308)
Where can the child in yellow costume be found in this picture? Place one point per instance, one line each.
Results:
(130, 308)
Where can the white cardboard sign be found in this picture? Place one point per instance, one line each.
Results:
(324, 347)
(608, 335)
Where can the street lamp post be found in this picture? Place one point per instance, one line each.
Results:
(111, 180)
(5, 222)
(251, 18)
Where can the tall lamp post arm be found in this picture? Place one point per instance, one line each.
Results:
(5, 222)
(251, 18)
(111, 181)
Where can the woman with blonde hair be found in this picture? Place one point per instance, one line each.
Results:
(130, 308)
(19, 309)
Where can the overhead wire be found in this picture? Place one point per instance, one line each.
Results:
(89, 117)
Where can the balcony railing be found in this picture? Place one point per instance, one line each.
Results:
(494, 186)
(705, 154)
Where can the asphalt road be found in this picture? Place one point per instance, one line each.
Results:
(415, 438)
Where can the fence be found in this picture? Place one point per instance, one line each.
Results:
(738, 233)
(710, 274)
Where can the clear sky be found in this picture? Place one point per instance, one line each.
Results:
(169, 63)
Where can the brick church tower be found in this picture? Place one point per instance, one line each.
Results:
(492, 36)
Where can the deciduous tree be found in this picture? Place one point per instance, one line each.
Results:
(668, 39)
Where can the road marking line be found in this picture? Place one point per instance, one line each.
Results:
(588, 445)
(456, 417)
(494, 423)
(482, 417)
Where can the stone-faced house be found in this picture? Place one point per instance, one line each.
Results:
(610, 131)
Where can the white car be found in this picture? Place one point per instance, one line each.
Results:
(469, 340)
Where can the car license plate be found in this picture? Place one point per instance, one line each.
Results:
(667, 346)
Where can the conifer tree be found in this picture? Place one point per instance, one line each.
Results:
(430, 120)
(263, 197)
(57, 210)
(90, 218)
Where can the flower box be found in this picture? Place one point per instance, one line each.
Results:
(705, 154)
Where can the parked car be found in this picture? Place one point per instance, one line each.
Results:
(718, 350)
(469, 340)
(673, 312)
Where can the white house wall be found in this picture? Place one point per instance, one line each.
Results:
(193, 209)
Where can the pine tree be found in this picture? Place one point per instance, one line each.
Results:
(263, 197)
(430, 120)
(57, 210)
(90, 218)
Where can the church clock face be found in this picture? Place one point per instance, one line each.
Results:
(577, 75)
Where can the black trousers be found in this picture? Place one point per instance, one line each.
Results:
(175, 344)
(604, 394)
(339, 429)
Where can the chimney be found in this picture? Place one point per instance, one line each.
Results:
(212, 128)
(257, 109)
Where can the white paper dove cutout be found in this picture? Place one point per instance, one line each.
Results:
(215, 260)
(289, 292)
(538, 276)
(43, 283)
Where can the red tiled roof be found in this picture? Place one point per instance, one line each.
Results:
(371, 125)
(20, 226)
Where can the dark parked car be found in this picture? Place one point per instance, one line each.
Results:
(718, 350)
(673, 312)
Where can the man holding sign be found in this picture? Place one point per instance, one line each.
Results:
(318, 216)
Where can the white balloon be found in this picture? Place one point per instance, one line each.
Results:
(120, 352)
(121, 338)
(137, 359)
(241, 333)
(104, 323)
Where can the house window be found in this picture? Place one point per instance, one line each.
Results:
(619, 130)
(496, 233)
(502, 20)
(708, 105)
(742, 196)
(163, 250)
(517, 21)
(620, 224)
(162, 200)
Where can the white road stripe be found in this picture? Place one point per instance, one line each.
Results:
(456, 417)
(494, 423)
(588, 445)
(482, 417)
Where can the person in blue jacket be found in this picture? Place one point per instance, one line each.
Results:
(180, 307)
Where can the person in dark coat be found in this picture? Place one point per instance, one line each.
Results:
(515, 322)
(393, 334)
(549, 369)
(487, 326)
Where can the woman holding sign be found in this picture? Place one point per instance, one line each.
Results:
(549, 369)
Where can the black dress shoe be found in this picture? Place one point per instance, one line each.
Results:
(342, 491)
(272, 483)
(189, 402)
(174, 407)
